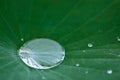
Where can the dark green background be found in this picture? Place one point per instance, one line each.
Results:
(72, 23)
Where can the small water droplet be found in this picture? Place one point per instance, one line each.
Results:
(77, 65)
(118, 38)
(43, 77)
(109, 71)
(22, 39)
(86, 72)
(90, 45)
(118, 55)
(42, 53)
(84, 51)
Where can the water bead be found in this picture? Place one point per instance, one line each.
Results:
(42, 53)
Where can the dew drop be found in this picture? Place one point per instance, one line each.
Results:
(118, 38)
(22, 39)
(90, 45)
(43, 78)
(86, 72)
(84, 51)
(109, 71)
(118, 55)
(77, 65)
(42, 53)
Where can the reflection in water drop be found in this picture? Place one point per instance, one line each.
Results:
(90, 45)
(42, 53)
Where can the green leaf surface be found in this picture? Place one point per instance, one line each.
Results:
(72, 23)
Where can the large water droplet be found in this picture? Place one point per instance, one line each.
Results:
(42, 53)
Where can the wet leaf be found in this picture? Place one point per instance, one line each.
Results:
(89, 30)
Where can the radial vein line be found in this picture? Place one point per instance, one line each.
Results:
(17, 19)
(93, 36)
(1, 67)
(12, 73)
(28, 73)
(6, 57)
(90, 50)
(60, 74)
(30, 9)
(9, 26)
(83, 67)
(90, 20)
(41, 74)
(97, 58)
(66, 16)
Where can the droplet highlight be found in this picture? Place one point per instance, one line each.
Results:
(42, 53)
